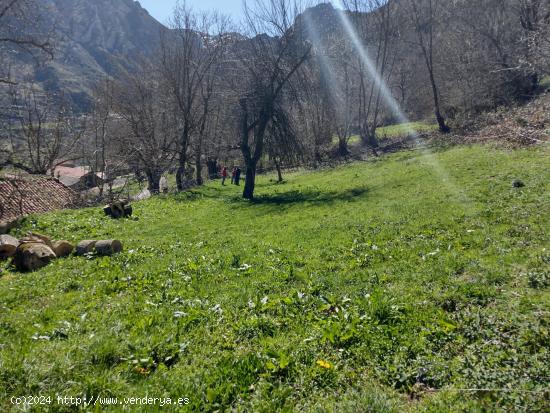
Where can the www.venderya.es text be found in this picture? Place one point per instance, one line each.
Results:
(87, 401)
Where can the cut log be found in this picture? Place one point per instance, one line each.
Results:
(8, 246)
(31, 257)
(34, 237)
(62, 248)
(108, 247)
(85, 247)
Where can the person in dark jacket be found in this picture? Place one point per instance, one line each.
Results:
(238, 176)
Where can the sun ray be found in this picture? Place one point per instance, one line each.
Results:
(392, 103)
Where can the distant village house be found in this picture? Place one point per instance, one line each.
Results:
(78, 178)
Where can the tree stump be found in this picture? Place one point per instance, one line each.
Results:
(108, 247)
(8, 246)
(85, 247)
(32, 256)
(62, 248)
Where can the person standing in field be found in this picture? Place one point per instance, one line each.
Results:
(224, 175)
(237, 176)
(233, 175)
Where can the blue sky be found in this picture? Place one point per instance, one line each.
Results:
(162, 9)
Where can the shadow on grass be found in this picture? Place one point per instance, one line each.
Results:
(198, 193)
(310, 196)
(288, 198)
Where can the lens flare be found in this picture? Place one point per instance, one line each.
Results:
(327, 68)
(390, 101)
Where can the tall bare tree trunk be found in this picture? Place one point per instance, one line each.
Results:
(180, 175)
(212, 166)
(153, 179)
(342, 146)
(198, 165)
(279, 170)
(439, 117)
(427, 47)
(182, 160)
(250, 181)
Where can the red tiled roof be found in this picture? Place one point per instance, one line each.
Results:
(32, 195)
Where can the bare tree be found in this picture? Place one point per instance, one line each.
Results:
(213, 95)
(189, 52)
(220, 137)
(149, 142)
(102, 148)
(425, 18)
(344, 108)
(46, 132)
(492, 54)
(271, 63)
(283, 145)
(534, 16)
(374, 21)
(317, 97)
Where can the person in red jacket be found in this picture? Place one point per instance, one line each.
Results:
(233, 175)
(224, 175)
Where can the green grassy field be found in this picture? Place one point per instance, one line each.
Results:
(395, 131)
(416, 282)
(404, 129)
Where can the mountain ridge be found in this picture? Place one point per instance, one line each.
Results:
(93, 40)
(109, 38)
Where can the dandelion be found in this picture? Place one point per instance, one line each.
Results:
(324, 364)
